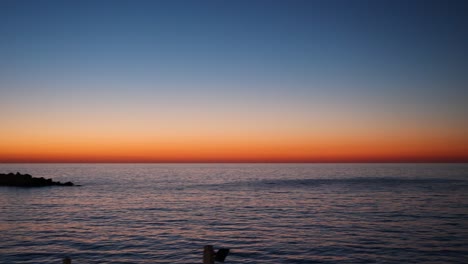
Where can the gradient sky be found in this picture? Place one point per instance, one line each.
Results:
(233, 81)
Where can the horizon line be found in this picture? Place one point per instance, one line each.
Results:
(236, 162)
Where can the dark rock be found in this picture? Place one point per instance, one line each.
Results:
(68, 184)
(26, 180)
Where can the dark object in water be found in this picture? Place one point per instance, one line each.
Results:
(26, 180)
(221, 254)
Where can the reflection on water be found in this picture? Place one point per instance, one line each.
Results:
(290, 213)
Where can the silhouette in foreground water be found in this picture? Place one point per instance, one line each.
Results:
(26, 180)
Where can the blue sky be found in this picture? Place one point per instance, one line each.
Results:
(297, 42)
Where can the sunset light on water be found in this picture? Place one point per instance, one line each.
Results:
(264, 131)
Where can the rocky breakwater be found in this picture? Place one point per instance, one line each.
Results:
(26, 180)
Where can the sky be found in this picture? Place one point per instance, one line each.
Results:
(234, 81)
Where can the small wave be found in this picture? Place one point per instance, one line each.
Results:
(351, 182)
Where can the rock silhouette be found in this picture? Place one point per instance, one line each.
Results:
(26, 180)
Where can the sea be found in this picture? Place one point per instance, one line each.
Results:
(263, 213)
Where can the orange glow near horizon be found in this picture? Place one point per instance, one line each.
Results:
(294, 133)
(338, 149)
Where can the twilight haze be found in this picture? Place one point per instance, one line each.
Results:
(233, 81)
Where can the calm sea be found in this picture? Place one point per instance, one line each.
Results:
(265, 213)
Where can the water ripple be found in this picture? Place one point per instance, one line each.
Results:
(290, 213)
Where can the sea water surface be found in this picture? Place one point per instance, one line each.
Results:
(265, 213)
